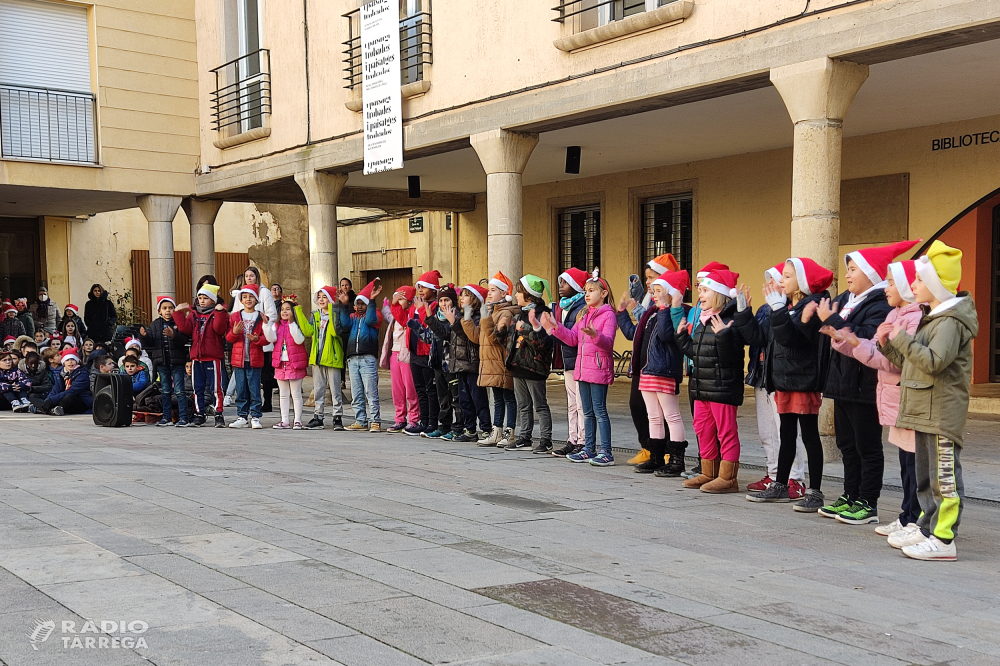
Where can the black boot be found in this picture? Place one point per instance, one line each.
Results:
(676, 464)
(657, 447)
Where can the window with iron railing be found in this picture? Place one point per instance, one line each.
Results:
(580, 238)
(46, 124)
(414, 43)
(594, 13)
(242, 97)
(667, 226)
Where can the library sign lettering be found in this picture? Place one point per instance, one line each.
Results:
(966, 140)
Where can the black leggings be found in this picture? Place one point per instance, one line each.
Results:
(640, 417)
(790, 424)
(423, 381)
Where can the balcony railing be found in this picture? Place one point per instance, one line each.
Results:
(414, 48)
(47, 124)
(242, 97)
(601, 12)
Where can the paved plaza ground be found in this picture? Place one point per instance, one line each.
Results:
(220, 547)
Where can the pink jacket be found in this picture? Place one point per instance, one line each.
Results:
(287, 334)
(595, 362)
(887, 391)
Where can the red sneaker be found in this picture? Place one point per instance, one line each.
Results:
(795, 490)
(760, 485)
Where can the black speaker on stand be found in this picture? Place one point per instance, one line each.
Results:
(112, 400)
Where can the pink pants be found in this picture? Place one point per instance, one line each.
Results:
(404, 393)
(663, 407)
(713, 420)
(574, 410)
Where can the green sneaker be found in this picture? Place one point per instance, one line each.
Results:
(842, 504)
(860, 513)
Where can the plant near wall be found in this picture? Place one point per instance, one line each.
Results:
(129, 314)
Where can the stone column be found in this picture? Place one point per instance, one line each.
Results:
(504, 155)
(160, 211)
(201, 215)
(322, 191)
(817, 94)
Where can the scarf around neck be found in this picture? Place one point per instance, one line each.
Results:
(568, 302)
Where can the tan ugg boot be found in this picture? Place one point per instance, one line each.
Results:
(726, 481)
(709, 470)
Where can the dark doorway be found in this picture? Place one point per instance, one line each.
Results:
(20, 262)
(391, 281)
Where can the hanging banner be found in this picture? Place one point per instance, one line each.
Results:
(383, 109)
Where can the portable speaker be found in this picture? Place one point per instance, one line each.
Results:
(112, 400)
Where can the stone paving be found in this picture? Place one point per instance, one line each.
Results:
(219, 547)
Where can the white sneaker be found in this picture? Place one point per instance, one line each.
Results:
(932, 548)
(907, 536)
(495, 436)
(507, 439)
(886, 530)
(19, 405)
(227, 401)
(255, 424)
(239, 423)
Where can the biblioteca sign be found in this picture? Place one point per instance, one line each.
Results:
(966, 140)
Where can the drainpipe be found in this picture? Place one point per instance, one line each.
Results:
(454, 248)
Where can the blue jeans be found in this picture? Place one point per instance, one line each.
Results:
(363, 371)
(247, 392)
(172, 383)
(504, 401)
(595, 416)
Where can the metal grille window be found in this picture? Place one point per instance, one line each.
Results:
(667, 227)
(414, 43)
(580, 238)
(242, 96)
(41, 124)
(593, 13)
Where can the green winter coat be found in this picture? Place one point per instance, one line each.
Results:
(937, 370)
(333, 346)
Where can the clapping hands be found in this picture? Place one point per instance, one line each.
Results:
(717, 324)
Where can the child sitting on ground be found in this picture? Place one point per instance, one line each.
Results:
(14, 385)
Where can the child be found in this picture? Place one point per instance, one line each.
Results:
(496, 315)
(135, 345)
(247, 337)
(70, 393)
(14, 385)
(404, 393)
(102, 365)
(419, 344)
(716, 382)
(529, 358)
(907, 310)
(24, 316)
(594, 340)
(140, 380)
(168, 348)
(796, 368)
(326, 356)
(71, 315)
(450, 418)
(852, 385)
(937, 370)
(10, 326)
(571, 285)
(206, 325)
(41, 338)
(465, 363)
(289, 360)
(44, 377)
(360, 329)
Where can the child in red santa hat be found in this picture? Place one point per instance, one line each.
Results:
(396, 357)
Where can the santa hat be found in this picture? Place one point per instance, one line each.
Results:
(477, 291)
(133, 342)
(430, 279)
(75, 310)
(210, 290)
(674, 281)
(9, 308)
(709, 267)
(721, 281)
(774, 273)
(813, 278)
(160, 300)
(874, 261)
(408, 292)
(328, 291)
(536, 286)
(903, 274)
(366, 293)
(252, 289)
(941, 270)
(502, 282)
(70, 353)
(9, 340)
(664, 263)
(575, 278)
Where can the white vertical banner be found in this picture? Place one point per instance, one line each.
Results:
(383, 111)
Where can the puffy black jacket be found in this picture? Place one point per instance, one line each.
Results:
(100, 316)
(755, 364)
(163, 350)
(663, 357)
(529, 352)
(796, 357)
(568, 319)
(849, 380)
(464, 352)
(717, 373)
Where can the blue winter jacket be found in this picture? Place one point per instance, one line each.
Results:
(79, 386)
(360, 334)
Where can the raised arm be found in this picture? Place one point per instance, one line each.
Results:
(933, 358)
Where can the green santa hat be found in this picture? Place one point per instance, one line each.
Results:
(536, 286)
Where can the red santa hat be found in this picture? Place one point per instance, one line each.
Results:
(70, 353)
(408, 292)
(328, 291)
(903, 274)
(674, 281)
(813, 278)
(9, 340)
(133, 342)
(874, 261)
(477, 291)
(252, 289)
(709, 267)
(430, 279)
(721, 281)
(664, 263)
(774, 273)
(160, 300)
(575, 278)
(503, 283)
(366, 293)
(9, 308)
(72, 308)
